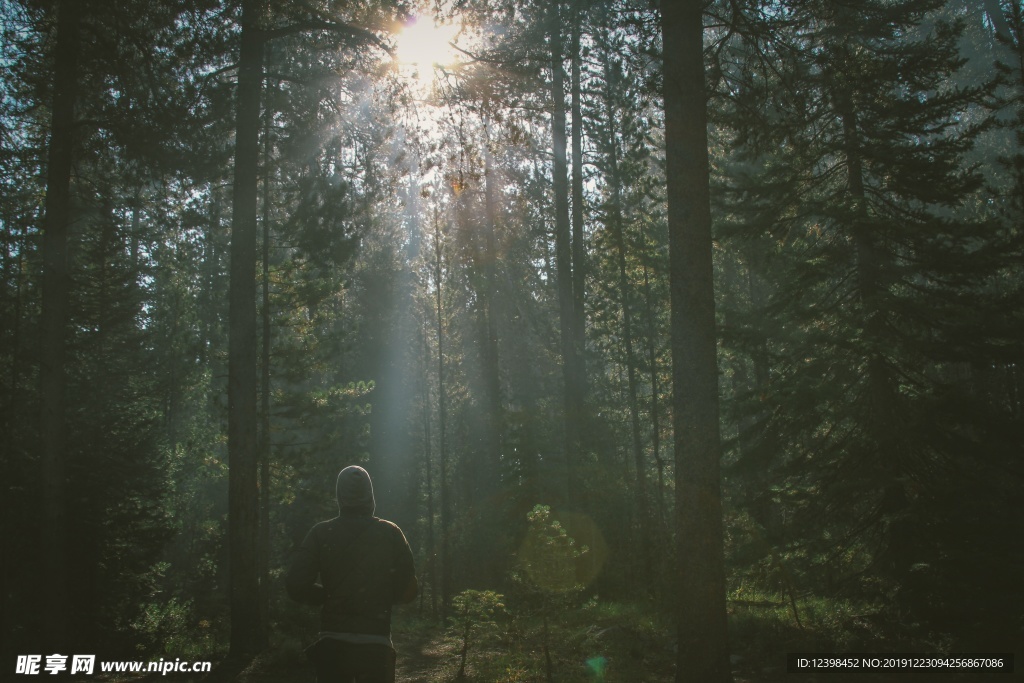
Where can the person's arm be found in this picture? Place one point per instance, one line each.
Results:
(303, 573)
(412, 589)
(406, 585)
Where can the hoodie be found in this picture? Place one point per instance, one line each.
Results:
(363, 563)
(354, 491)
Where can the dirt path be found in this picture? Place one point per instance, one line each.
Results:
(420, 656)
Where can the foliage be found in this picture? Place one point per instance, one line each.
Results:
(171, 629)
(549, 555)
(600, 640)
(848, 200)
(476, 611)
(868, 191)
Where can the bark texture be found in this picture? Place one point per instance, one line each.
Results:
(703, 653)
(243, 493)
(54, 323)
(563, 257)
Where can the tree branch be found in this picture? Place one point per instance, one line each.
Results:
(356, 34)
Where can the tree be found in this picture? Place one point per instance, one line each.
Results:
(248, 633)
(703, 639)
(623, 161)
(243, 514)
(105, 165)
(573, 401)
(56, 281)
(853, 170)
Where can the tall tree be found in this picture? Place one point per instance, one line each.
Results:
(579, 270)
(563, 257)
(56, 283)
(703, 650)
(243, 515)
(881, 267)
(615, 219)
(247, 633)
(442, 419)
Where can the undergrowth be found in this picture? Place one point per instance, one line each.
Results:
(601, 640)
(596, 641)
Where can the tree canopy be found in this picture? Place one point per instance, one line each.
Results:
(673, 338)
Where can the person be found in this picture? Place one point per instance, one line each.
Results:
(365, 566)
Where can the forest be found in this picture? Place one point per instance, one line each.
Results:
(676, 336)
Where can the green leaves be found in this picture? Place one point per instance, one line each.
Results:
(548, 554)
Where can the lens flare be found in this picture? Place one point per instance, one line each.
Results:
(551, 565)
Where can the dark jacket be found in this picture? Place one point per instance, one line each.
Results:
(364, 565)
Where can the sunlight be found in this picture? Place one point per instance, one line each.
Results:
(424, 44)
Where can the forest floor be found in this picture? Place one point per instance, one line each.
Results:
(599, 644)
(596, 643)
(434, 658)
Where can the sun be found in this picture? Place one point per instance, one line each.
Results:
(424, 44)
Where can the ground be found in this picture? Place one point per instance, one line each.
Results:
(599, 642)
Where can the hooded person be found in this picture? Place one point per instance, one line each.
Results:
(364, 566)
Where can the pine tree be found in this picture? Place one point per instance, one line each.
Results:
(853, 168)
(703, 638)
(53, 341)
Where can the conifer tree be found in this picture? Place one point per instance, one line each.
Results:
(703, 649)
(119, 160)
(55, 294)
(853, 167)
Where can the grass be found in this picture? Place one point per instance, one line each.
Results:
(602, 641)
(606, 641)
(597, 641)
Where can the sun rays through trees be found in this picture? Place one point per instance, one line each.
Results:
(639, 415)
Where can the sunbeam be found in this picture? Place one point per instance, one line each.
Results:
(423, 45)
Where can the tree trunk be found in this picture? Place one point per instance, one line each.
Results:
(578, 247)
(998, 20)
(428, 472)
(563, 256)
(869, 287)
(883, 427)
(492, 381)
(264, 443)
(652, 361)
(703, 652)
(55, 605)
(243, 495)
(211, 270)
(442, 424)
(615, 221)
(489, 558)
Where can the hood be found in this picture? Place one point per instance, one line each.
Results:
(355, 491)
